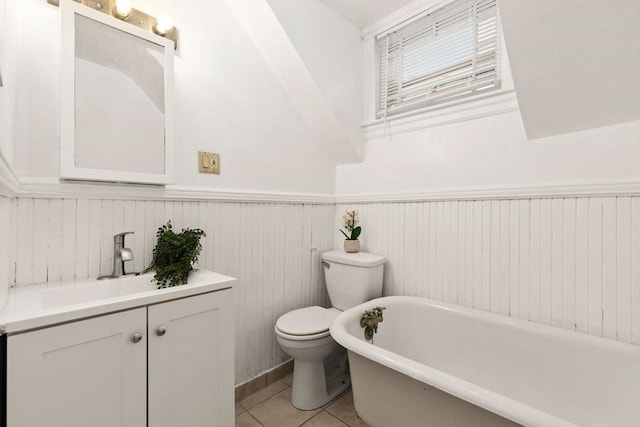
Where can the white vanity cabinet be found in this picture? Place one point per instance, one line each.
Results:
(191, 375)
(172, 360)
(84, 373)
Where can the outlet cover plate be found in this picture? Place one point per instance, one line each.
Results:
(208, 162)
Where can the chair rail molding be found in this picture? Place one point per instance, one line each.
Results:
(52, 188)
(626, 187)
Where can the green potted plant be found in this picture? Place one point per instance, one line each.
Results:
(174, 255)
(349, 221)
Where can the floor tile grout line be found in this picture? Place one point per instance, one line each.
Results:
(335, 399)
(257, 420)
(326, 408)
(318, 414)
(262, 401)
(342, 421)
(339, 419)
(301, 425)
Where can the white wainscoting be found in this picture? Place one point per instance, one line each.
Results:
(272, 248)
(5, 245)
(572, 262)
(569, 262)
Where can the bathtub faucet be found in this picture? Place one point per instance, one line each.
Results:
(370, 320)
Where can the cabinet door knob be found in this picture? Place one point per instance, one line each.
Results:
(136, 338)
(161, 331)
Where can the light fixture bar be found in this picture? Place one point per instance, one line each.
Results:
(135, 17)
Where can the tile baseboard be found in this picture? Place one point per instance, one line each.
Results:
(255, 384)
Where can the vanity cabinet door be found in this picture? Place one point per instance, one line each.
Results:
(84, 373)
(191, 369)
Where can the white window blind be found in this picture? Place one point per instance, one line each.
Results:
(445, 55)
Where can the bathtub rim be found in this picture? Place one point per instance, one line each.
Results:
(462, 389)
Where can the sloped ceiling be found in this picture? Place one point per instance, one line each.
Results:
(575, 63)
(269, 37)
(365, 12)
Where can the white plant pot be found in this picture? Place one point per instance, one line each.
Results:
(352, 246)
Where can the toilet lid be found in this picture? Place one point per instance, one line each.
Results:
(306, 321)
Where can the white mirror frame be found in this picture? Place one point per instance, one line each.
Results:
(68, 169)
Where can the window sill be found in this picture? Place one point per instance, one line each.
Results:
(489, 104)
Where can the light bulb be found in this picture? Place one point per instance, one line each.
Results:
(164, 25)
(123, 8)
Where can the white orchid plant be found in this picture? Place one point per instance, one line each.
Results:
(349, 221)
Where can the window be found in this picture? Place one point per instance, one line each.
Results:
(448, 54)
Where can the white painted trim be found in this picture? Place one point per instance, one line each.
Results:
(51, 188)
(9, 183)
(485, 105)
(400, 16)
(203, 193)
(546, 190)
(68, 168)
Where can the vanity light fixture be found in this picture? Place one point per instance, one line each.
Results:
(122, 10)
(163, 25)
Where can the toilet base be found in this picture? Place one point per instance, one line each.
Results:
(317, 383)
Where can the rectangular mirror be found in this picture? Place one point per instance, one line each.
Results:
(116, 93)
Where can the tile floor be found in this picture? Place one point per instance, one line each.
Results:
(271, 407)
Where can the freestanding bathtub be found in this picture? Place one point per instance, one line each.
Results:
(438, 364)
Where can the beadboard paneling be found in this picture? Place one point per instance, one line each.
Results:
(272, 248)
(569, 262)
(6, 238)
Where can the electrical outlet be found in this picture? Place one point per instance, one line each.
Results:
(208, 162)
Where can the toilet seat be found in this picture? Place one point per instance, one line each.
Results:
(305, 324)
(302, 337)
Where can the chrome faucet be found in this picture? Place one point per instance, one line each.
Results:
(120, 255)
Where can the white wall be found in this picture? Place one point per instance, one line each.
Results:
(7, 92)
(489, 152)
(227, 101)
(272, 249)
(477, 144)
(574, 68)
(332, 50)
(571, 262)
(7, 122)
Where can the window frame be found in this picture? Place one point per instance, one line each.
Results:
(501, 67)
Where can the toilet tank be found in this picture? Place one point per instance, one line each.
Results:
(352, 279)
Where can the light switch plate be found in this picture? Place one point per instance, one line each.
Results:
(208, 162)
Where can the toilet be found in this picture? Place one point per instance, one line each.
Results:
(320, 370)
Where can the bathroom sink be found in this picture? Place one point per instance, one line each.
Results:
(37, 306)
(94, 291)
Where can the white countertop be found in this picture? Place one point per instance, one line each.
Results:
(31, 307)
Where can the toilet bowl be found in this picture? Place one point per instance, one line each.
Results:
(320, 370)
(304, 335)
